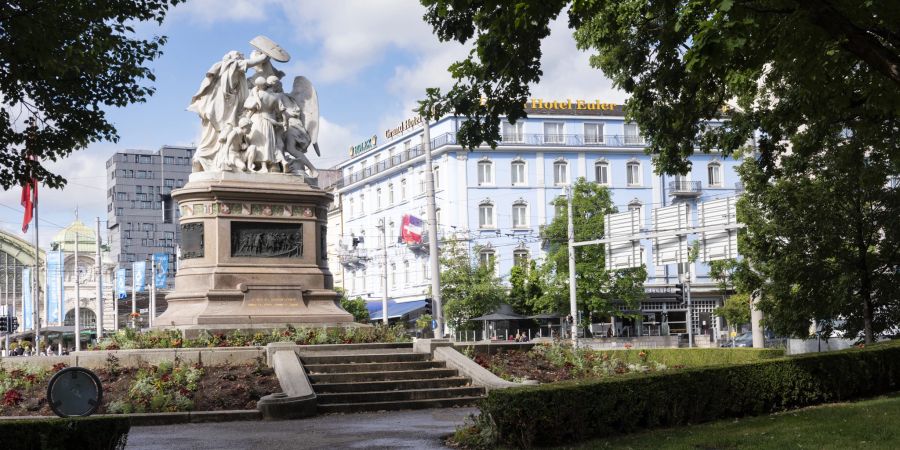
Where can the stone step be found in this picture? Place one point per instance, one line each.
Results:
(351, 377)
(394, 396)
(347, 408)
(370, 386)
(352, 347)
(372, 367)
(353, 358)
(353, 353)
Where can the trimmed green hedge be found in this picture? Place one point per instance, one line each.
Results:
(696, 357)
(573, 411)
(87, 432)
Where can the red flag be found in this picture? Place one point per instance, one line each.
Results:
(29, 198)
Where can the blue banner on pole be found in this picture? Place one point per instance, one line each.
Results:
(55, 267)
(121, 287)
(26, 299)
(162, 269)
(138, 269)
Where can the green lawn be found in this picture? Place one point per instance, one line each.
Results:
(869, 424)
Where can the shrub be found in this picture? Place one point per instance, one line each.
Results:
(87, 432)
(580, 410)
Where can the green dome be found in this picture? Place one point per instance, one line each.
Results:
(65, 239)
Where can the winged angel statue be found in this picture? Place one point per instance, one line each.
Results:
(249, 123)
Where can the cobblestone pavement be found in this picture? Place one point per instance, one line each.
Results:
(421, 429)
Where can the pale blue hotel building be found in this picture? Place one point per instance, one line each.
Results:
(497, 200)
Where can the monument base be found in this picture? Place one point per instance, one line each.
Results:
(252, 255)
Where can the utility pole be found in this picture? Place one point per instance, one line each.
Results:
(6, 298)
(99, 285)
(35, 277)
(133, 298)
(77, 297)
(573, 306)
(432, 230)
(384, 295)
(690, 312)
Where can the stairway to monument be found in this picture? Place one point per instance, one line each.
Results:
(387, 377)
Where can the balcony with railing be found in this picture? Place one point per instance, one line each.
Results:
(684, 188)
(517, 140)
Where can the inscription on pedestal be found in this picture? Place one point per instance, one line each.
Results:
(192, 240)
(266, 240)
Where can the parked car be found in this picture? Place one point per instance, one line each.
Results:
(741, 340)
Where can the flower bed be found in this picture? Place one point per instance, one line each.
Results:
(128, 338)
(167, 387)
(559, 362)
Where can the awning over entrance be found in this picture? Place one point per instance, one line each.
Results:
(395, 309)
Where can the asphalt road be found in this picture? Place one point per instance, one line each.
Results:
(422, 429)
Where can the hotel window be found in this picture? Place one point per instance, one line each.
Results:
(406, 277)
(601, 173)
(168, 160)
(715, 174)
(520, 214)
(593, 133)
(487, 257)
(403, 190)
(520, 258)
(393, 275)
(633, 170)
(350, 207)
(436, 174)
(391, 162)
(406, 146)
(517, 173)
(486, 215)
(513, 132)
(560, 173)
(485, 173)
(633, 134)
(553, 133)
(437, 216)
(362, 204)
(421, 177)
(636, 205)
(391, 194)
(378, 198)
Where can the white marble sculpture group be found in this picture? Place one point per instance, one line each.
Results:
(249, 123)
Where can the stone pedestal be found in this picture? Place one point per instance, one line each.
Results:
(252, 255)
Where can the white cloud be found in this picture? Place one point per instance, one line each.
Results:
(333, 142)
(208, 12)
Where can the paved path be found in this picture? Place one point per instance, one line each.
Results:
(421, 429)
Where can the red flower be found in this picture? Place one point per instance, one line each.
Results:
(12, 397)
(58, 366)
(30, 378)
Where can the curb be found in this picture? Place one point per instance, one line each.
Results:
(171, 418)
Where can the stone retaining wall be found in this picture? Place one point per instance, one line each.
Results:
(133, 358)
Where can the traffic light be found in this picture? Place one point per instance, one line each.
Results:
(4, 324)
(429, 303)
(679, 292)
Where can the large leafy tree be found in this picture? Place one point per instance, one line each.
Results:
(525, 288)
(468, 289)
(61, 64)
(811, 84)
(596, 287)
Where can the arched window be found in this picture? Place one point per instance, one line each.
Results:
(350, 207)
(486, 215)
(517, 173)
(362, 204)
(560, 173)
(403, 190)
(636, 205)
(520, 214)
(390, 194)
(378, 198)
(714, 169)
(485, 173)
(601, 173)
(633, 172)
(393, 275)
(436, 171)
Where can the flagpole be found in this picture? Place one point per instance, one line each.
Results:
(35, 303)
(99, 286)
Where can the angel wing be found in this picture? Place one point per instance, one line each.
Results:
(304, 94)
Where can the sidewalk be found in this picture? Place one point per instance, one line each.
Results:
(420, 429)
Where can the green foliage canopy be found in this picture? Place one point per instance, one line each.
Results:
(61, 63)
(468, 289)
(596, 287)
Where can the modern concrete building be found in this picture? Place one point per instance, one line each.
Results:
(497, 200)
(141, 217)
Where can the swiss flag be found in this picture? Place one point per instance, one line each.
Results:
(29, 198)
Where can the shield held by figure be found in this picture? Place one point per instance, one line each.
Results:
(304, 94)
(269, 47)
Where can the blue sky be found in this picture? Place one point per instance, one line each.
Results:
(370, 60)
